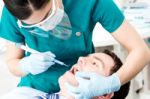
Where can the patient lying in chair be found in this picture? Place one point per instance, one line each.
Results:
(105, 64)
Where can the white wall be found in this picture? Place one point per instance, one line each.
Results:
(1, 5)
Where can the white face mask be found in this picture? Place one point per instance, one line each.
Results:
(49, 25)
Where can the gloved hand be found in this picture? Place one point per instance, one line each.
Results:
(37, 63)
(92, 84)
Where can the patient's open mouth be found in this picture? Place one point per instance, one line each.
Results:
(74, 70)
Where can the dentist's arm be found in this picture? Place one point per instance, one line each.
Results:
(139, 53)
(13, 56)
(34, 64)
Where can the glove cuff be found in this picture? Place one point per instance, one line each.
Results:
(23, 66)
(116, 84)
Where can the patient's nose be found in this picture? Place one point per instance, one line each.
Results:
(81, 61)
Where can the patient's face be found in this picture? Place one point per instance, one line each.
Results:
(100, 63)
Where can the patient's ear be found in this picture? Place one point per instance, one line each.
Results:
(108, 96)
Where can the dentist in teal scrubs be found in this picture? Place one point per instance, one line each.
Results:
(62, 29)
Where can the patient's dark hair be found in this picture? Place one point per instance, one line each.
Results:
(117, 61)
(124, 90)
(22, 9)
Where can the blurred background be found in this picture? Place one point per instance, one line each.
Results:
(138, 14)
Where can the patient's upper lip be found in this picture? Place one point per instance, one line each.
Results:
(70, 72)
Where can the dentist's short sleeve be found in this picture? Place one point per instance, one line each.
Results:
(108, 14)
(9, 29)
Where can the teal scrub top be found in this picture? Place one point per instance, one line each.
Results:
(83, 16)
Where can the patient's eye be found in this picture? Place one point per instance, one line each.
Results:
(94, 63)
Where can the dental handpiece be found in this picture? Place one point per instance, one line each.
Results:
(23, 47)
(61, 63)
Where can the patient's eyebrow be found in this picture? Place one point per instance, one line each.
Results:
(97, 58)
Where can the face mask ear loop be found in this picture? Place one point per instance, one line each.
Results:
(53, 8)
(60, 4)
(54, 5)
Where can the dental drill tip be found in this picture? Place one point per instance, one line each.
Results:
(66, 65)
